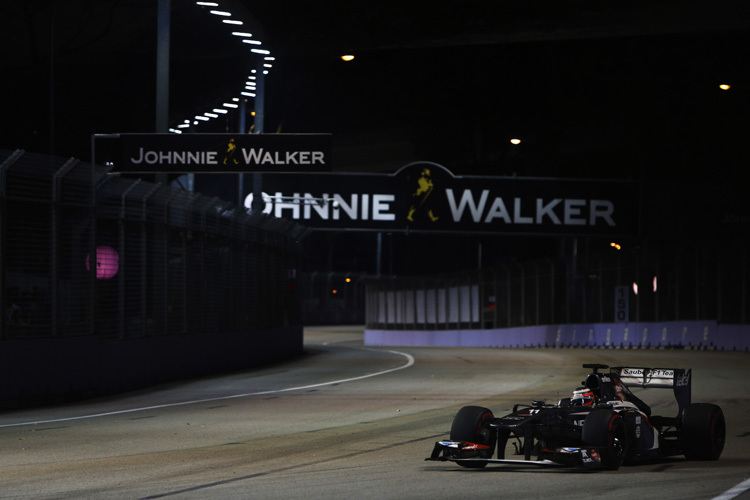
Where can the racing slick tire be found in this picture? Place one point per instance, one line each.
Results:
(703, 432)
(472, 424)
(606, 430)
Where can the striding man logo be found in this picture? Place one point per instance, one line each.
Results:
(422, 202)
(229, 153)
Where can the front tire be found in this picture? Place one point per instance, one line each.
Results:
(472, 424)
(703, 432)
(606, 430)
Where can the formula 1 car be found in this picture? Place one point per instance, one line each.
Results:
(602, 425)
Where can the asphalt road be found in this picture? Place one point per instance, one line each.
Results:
(346, 421)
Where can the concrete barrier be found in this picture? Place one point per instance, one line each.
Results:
(671, 334)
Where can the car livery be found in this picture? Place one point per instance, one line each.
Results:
(602, 425)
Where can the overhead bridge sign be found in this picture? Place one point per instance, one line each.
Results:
(427, 197)
(216, 153)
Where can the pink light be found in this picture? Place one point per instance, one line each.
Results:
(107, 262)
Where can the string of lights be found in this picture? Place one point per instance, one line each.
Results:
(250, 85)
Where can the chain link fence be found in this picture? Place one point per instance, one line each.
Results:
(661, 282)
(88, 253)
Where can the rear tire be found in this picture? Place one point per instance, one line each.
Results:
(703, 432)
(606, 430)
(472, 424)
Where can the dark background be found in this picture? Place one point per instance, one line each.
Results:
(627, 91)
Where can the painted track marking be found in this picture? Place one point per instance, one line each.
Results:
(409, 362)
(734, 491)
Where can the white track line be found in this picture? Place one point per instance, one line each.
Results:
(735, 491)
(409, 362)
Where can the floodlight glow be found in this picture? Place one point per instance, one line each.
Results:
(240, 33)
(252, 42)
(219, 110)
(232, 21)
(221, 13)
(260, 51)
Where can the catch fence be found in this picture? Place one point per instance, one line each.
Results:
(85, 252)
(661, 282)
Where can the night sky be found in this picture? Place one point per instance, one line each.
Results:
(594, 91)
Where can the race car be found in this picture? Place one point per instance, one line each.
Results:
(601, 425)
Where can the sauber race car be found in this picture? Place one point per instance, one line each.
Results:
(602, 425)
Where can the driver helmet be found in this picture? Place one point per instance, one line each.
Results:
(582, 397)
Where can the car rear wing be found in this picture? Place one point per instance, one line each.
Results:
(678, 379)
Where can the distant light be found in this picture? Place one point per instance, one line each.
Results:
(656, 283)
(334, 291)
(236, 99)
(251, 77)
(230, 105)
(202, 118)
(635, 288)
(175, 131)
(616, 246)
(725, 86)
(183, 125)
(260, 51)
(515, 141)
(251, 42)
(269, 58)
(219, 110)
(348, 280)
(221, 13)
(207, 4)
(347, 57)
(232, 21)
(241, 33)
(247, 94)
(211, 115)
(268, 65)
(252, 113)
(107, 262)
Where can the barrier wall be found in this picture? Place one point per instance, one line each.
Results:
(51, 370)
(674, 334)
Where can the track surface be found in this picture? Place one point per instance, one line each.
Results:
(347, 421)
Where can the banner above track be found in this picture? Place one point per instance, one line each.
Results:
(427, 197)
(215, 153)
